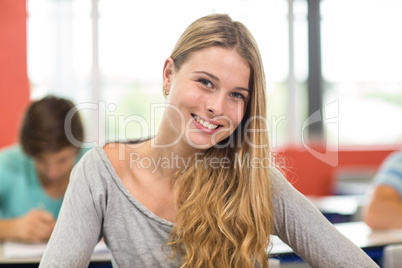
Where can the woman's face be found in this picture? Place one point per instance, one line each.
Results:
(207, 97)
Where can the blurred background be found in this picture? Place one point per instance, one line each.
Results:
(338, 62)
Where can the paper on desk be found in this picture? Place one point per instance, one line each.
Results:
(17, 250)
(21, 250)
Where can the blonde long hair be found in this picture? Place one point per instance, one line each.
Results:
(224, 215)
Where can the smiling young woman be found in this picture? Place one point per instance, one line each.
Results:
(203, 192)
(224, 216)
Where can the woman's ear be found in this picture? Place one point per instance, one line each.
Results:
(168, 71)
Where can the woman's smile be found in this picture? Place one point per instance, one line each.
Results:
(206, 125)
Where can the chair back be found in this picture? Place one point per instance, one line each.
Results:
(273, 263)
(392, 256)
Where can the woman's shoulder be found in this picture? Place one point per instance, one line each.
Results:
(92, 158)
(281, 187)
(114, 149)
(98, 160)
(94, 170)
(277, 177)
(119, 149)
(121, 153)
(118, 157)
(118, 153)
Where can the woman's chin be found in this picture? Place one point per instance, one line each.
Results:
(200, 143)
(203, 142)
(200, 146)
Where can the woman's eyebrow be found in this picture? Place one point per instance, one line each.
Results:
(242, 88)
(217, 79)
(206, 73)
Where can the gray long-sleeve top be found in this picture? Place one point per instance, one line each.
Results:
(97, 205)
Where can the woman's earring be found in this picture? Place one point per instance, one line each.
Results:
(165, 91)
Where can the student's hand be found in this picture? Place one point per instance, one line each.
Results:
(34, 227)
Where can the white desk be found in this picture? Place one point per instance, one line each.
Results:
(100, 255)
(364, 237)
(358, 232)
(339, 204)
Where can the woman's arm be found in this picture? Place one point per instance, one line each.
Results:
(300, 225)
(78, 227)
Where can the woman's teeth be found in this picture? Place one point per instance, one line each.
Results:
(205, 123)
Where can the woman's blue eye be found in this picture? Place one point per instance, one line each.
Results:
(205, 82)
(238, 95)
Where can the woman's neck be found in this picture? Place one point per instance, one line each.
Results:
(168, 155)
(167, 158)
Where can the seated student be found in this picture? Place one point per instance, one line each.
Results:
(384, 209)
(202, 192)
(34, 174)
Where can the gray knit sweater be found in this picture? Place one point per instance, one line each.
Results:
(97, 205)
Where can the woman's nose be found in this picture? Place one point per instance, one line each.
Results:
(216, 104)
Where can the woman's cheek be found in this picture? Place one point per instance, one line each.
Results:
(237, 114)
(196, 94)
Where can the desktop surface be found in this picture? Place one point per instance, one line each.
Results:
(30, 255)
(371, 241)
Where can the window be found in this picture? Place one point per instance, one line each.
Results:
(112, 67)
(362, 67)
(115, 62)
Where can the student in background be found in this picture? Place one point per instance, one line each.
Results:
(384, 209)
(34, 174)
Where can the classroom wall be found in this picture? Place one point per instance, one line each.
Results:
(14, 86)
(312, 176)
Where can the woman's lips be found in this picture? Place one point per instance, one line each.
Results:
(205, 125)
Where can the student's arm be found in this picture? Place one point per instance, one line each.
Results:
(33, 227)
(78, 227)
(302, 226)
(384, 209)
(6, 229)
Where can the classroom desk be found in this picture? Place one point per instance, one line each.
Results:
(339, 204)
(340, 208)
(372, 242)
(99, 259)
